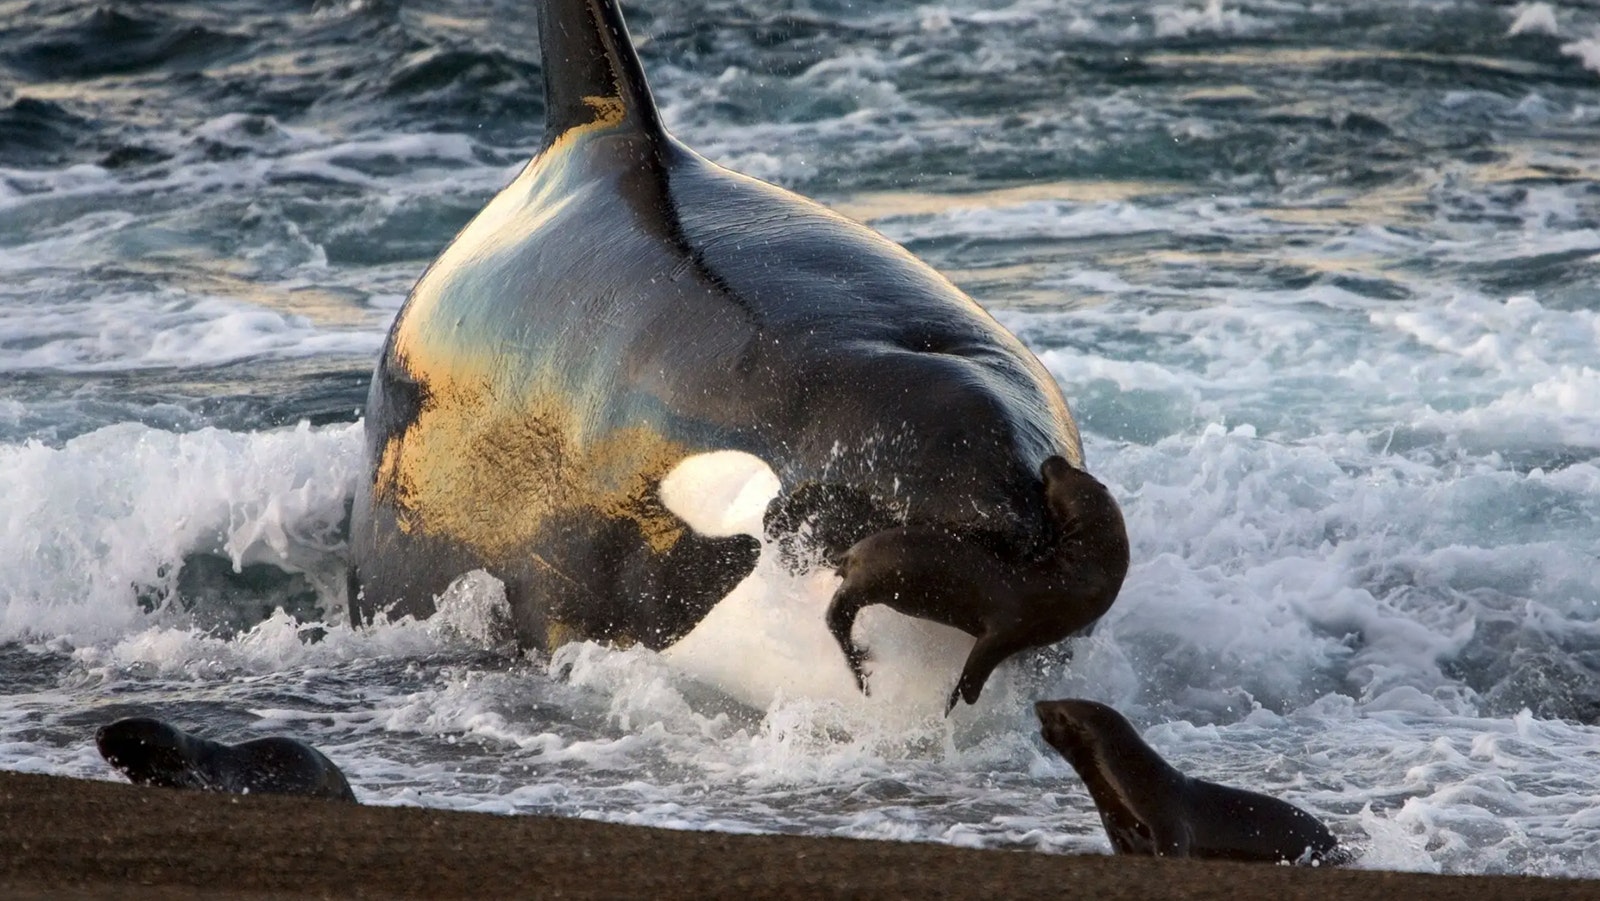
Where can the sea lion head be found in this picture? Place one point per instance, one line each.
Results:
(1075, 727)
(150, 752)
(1074, 498)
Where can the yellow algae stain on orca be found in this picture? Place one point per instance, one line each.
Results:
(490, 471)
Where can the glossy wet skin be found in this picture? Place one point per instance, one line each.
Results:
(1150, 808)
(626, 304)
(987, 586)
(151, 752)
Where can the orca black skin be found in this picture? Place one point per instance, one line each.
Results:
(1151, 809)
(151, 752)
(625, 304)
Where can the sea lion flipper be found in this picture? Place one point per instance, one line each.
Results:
(592, 73)
(1171, 839)
(991, 649)
(841, 618)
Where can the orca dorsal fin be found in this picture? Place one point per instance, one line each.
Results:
(591, 71)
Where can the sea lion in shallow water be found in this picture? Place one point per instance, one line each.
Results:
(626, 305)
(1150, 808)
(151, 752)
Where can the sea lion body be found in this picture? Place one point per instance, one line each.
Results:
(625, 305)
(1149, 808)
(1019, 601)
(151, 752)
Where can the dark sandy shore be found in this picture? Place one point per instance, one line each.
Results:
(72, 838)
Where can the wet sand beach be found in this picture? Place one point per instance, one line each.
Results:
(76, 838)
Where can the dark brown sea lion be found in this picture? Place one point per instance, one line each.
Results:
(1008, 607)
(625, 305)
(1149, 808)
(151, 752)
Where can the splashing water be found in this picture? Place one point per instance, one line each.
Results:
(1318, 281)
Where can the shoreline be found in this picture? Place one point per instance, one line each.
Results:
(63, 837)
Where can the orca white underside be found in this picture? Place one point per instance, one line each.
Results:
(766, 640)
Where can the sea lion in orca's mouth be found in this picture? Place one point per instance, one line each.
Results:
(625, 305)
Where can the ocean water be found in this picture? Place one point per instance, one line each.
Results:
(1319, 279)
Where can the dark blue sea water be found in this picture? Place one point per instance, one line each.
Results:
(1320, 280)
